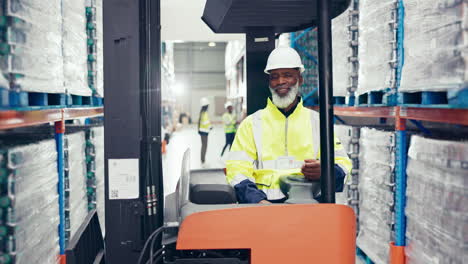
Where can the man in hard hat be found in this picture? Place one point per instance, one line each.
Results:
(281, 139)
(229, 120)
(204, 127)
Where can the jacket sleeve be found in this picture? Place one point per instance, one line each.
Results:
(239, 166)
(343, 165)
(339, 178)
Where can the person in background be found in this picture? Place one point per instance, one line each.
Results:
(229, 120)
(204, 127)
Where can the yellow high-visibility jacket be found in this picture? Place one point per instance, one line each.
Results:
(269, 145)
(229, 121)
(205, 124)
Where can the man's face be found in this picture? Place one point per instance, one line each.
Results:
(282, 80)
(229, 108)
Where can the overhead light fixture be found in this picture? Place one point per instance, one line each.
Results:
(178, 89)
(212, 44)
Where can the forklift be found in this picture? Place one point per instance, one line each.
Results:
(202, 223)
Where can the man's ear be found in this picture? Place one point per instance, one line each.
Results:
(301, 80)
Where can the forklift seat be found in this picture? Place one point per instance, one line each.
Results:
(210, 187)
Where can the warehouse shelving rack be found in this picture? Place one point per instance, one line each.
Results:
(15, 119)
(401, 114)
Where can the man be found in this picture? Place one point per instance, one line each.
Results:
(229, 120)
(281, 139)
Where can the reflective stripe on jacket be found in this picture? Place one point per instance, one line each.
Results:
(205, 124)
(229, 121)
(264, 140)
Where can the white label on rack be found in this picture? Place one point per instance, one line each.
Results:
(124, 179)
(261, 39)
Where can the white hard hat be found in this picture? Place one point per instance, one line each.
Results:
(227, 104)
(204, 101)
(284, 57)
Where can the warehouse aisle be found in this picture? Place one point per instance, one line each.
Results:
(188, 138)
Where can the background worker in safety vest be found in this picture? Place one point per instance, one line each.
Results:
(204, 127)
(281, 139)
(229, 120)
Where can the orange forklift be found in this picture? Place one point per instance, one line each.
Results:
(202, 222)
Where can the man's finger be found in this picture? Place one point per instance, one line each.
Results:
(311, 165)
(313, 177)
(311, 169)
(310, 172)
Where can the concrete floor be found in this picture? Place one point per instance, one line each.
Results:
(188, 138)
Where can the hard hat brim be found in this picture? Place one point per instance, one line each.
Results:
(301, 68)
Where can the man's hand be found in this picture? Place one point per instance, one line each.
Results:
(264, 202)
(311, 169)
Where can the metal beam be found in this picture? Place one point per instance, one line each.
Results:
(259, 44)
(132, 125)
(327, 155)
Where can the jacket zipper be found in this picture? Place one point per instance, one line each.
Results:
(286, 138)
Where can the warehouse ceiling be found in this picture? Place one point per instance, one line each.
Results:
(199, 66)
(181, 20)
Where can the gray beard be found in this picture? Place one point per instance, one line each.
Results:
(288, 99)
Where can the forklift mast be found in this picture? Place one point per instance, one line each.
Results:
(134, 189)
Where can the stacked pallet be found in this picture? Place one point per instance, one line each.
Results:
(32, 58)
(376, 198)
(436, 51)
(100, 49)
(29, 202)
(307, 47)
(353, 58)
(95, 168)
(343, 133)
(349, 137)
(74, 47)
(341, 51)
(437, 201)
(377, 48)
(76, 197)
(94, 32)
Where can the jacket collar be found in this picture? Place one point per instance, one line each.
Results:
(272, 108)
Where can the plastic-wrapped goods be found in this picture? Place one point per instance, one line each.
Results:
(100, 49)
(308, 43)
(4, 82)
(35, 62)
(436, 46)
(344, 133)
(376, 50)
(341, 52)
(437, 201)
(376, 198)
(377, 146)
(75, 52)
(372, 244)
(78, 198)
(32, 185)
(349, 136)
(98, 141)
